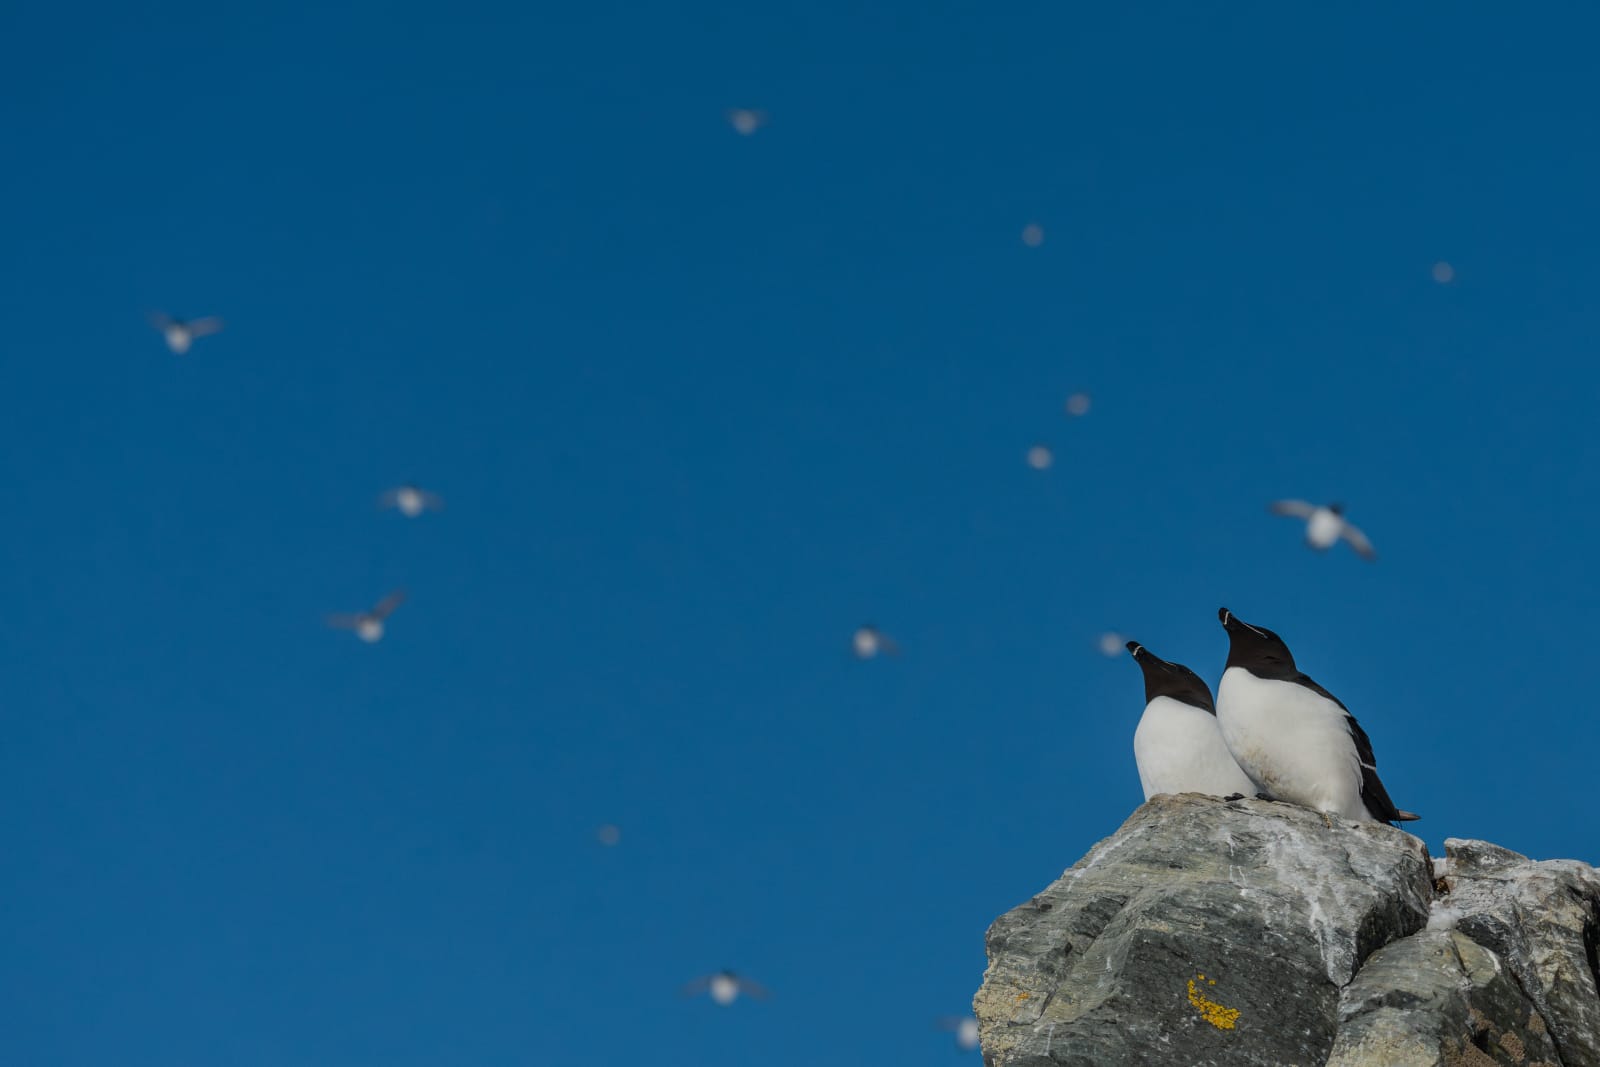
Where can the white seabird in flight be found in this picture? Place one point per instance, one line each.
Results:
(410, 500)
(725, 987)
(746, 120)
(368, 625)
(869, 642)
(1325, 524)
(181, 333)
(965, 1029)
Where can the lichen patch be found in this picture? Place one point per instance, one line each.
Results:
(1223, 1018)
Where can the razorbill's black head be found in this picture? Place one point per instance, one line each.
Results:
(1256, 648)
(1296, 741)
(1164, 679)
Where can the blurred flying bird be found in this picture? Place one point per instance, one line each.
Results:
(368, 625)
(1325, 524)
(725, 987)
(1110, 643)
(746, 120)
(179, 333)
(965, 1029)
(868, 642)
(410, 500)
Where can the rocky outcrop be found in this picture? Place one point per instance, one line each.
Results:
(1249, 932)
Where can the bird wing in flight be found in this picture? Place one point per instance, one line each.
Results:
(1297, 508)
(1359, 542)
(753, 988)
(385, 607)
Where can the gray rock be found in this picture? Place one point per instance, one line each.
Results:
(1202, 932)
(1435, 999)
(1207, 932)
(1542, 920)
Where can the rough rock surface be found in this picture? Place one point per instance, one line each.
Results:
(1210, 932)
(1435, 998)
(1542, 920)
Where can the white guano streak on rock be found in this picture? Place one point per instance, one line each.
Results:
(1104, 849)
(1285, 848)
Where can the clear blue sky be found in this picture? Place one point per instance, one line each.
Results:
(699, 405)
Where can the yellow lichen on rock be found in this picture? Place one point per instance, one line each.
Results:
(1212, 1012)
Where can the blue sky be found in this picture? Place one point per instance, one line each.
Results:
(700, 404)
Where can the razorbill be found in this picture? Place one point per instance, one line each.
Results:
(368, 624)
(179, 333)
(1294, 739)
(1325, 524)
(1177, 745)
(725, 987)
(410, 501)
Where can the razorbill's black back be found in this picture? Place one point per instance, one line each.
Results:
(1177, 746)
(1295, 740)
